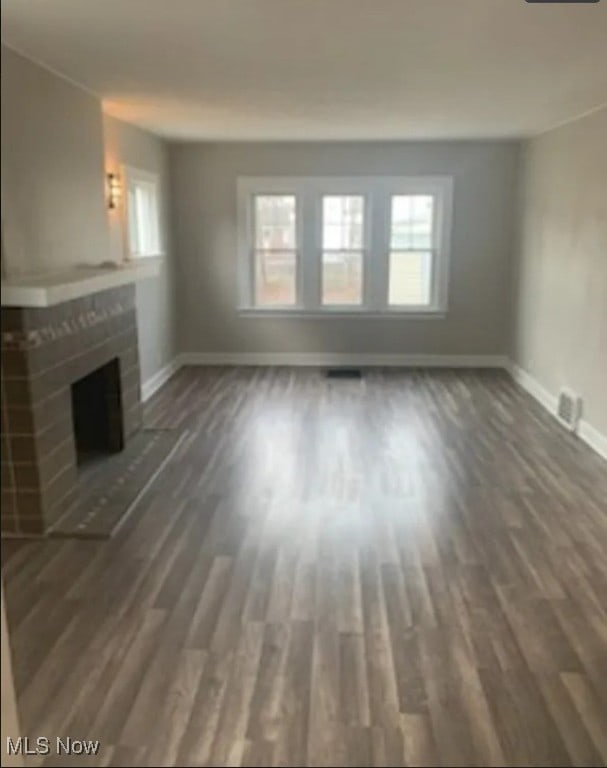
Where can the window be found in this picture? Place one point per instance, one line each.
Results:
(411, 250)
(275, 252)
(342, 249)
(324, 245)
(142, 213)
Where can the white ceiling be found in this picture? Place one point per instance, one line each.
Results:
(324, 69)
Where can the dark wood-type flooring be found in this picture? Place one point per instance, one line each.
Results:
(408, 570)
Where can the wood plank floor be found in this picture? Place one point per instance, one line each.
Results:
(405, 570)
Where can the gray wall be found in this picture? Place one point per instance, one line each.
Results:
(560, 322)
(53, 194)
(56, 149)
(203, 195)
(127, 145)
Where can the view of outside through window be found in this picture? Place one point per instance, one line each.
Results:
(275, 250)
(142, 212)
(342, 244)
(411, 239)
(410, 250)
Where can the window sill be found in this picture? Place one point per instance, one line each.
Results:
(332, 314)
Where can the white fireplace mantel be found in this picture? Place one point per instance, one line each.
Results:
(50, 288)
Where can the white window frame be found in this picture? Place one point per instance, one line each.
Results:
(377, 192)
(131, 176)
(349, 190)
(252, 253)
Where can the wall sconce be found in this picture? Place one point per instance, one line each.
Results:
(114, 191)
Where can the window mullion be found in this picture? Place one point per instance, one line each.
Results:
(310, 253)
(253, 277)
(252, 260)
(376, 263)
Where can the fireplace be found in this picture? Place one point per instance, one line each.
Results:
(70, 391)
(97, 413)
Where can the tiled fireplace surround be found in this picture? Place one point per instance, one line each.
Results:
(44, 351)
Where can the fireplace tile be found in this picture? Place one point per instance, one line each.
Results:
(44, 350)
(132, 420)
(5, 447)
(59, 487)
(15, 363)
(9, 524)
(16, 392)
(47, 383)
(38, 416)
(130, 379)
(31, 525)
(12, 319)
(21, 420)
(9, 506)
(7, 475)
(23, 448)
(58, 432)
(28, 502)
(26, 475)
(131, 357)
(63, 455)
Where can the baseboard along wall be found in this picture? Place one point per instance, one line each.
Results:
(586, 431)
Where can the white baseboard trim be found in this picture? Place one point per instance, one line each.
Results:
(346, 359)
(154, 383)
(592, 437)
(534, 388)
(586, 432)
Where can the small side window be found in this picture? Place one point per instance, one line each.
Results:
(142, 214)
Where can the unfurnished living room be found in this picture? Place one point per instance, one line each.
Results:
(304, 382)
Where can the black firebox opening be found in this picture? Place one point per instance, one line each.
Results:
(97, 412)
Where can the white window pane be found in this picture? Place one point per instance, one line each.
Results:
(410, 278)
(342, 277)
(332, 237)
(342, 221)
(275, 222)
(401, 209)
(275, 278)
(411, 221)
(142, 218)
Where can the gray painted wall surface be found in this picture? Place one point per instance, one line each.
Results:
(127, 145)
(554, 322)
(203, 199)
(560, 322)
(56, 149)
(53, 189)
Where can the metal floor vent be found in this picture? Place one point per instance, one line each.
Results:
(344, 373)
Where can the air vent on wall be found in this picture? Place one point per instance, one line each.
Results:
(569, 409)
